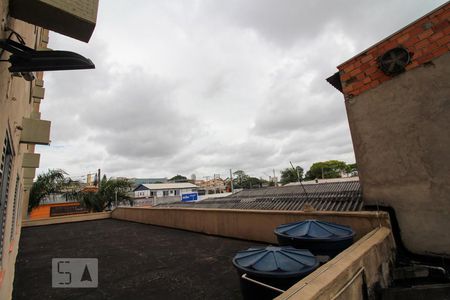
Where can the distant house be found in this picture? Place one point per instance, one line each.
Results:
(160, 190)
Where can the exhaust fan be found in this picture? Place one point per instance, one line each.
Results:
(394, 61)
(25, 59)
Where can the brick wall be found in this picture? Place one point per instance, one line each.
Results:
(426, 39)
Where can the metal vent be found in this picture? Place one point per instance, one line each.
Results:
(394, 61)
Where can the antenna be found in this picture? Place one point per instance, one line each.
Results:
(299, 181)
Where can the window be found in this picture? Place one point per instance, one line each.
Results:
(5, 174)
(165, 193)
(14, 212)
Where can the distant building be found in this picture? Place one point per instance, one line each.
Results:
(160, 190)
(213, 186)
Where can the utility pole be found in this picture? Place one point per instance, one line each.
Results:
(99, 178)
(115, 194)
(231, 181)
(275, 181)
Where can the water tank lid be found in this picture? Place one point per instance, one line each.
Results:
(315, 230)
(273, 261)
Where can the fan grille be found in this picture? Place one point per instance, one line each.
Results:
(394, 61)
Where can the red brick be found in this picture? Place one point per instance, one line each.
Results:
(366, 58)
(425, 58)
(447, 30)
(389, 45)
(415, 30)
(358, 63)
(436, 36)
(436, 13)
(345, 77)
(378, 76)
(444, 41)
(444, 16)
(360, 76)
(355, 92)
(349, 68)
(364, 67)
(412, 65)
(411, 42)
(364, 88)
(422, 44)
(367, 80)
(441, 25)
(440, 51)
(403, 38)
(425, 34)
(358, 84)
(430, 48)
(371, 70)
(355, 72)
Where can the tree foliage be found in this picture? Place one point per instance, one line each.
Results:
(106, 194)
(178, 178)
(244, 181)
(326, 169)
(52, 181)
(291, 175)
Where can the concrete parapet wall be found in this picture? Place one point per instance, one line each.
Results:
(254, 225)
(66, 219)
(353, 274)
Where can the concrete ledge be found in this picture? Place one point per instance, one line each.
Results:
(353, 273)
(66, 219)
(253, 225)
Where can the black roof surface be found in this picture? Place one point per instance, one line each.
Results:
(136, 261)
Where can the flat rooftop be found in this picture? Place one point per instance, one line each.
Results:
(136, 261)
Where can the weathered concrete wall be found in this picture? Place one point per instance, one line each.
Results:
(352, 274)
(66, 219)
(16, 102)
(255, 225)
(401, 137)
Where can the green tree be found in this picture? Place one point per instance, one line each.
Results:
(251, 182)
(326, 169)
(52, 181)
(241, 177)
(351, 169)
(106, 194)
(178, 178)
(291, 175)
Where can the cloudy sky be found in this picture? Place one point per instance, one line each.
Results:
(199, 87)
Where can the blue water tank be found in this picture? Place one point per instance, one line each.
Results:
(280, 267)
(321, 238)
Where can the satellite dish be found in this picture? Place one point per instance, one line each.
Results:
(394, 61)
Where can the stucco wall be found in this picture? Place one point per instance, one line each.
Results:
(401, 137)
(66, 219)
(15, 103)
(255, 225)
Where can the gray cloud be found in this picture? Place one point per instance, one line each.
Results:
(202, 86)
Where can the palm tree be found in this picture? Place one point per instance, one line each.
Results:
(47, 183)
(106, 195)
